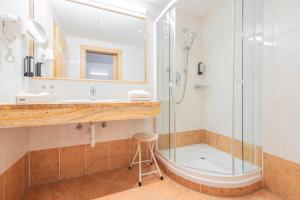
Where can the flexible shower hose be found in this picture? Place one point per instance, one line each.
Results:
(185, 80)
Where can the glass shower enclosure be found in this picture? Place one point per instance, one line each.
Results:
(208, 82)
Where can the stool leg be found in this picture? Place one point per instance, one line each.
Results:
(149, 147)
(140, 164)
(152, 154)
(135, 155)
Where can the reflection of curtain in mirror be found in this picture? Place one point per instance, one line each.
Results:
(60, 53)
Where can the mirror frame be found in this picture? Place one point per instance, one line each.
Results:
(145, 81)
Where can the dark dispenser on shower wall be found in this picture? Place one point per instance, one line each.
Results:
(200, 68)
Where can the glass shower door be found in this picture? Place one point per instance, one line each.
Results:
(166, 119)
(247, 136)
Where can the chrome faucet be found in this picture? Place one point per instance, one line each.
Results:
(93, 93)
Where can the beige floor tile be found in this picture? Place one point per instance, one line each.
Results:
(44, 194)
(191, 195)
(163, 188)
(84, 188)
(121, 184)
(107, 175)
(264, 195)
(143, 195)
(119, 196)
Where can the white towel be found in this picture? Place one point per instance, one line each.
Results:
(41, 94)
(139, 95)
(26, 97)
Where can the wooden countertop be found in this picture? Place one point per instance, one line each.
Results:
(26, 115)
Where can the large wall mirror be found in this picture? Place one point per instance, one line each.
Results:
(87, 41)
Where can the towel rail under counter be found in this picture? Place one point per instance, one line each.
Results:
(12, 115)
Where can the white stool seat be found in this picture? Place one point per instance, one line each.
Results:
(145, 137)
(150, 139)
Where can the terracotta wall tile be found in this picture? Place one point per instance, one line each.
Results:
(44, 166)
(72, 162)
(238, 149)
(281, 177)
(248, 190)
(236, 192)
(166, 141)
(210, 138)
(224, 143)
(248, 152)
(183, 181)
(97, 158)
(205, 189)
(258, 156)
(25, 173)
(196, 187)
(2, 187)
(214, 191)
(13, 182)
(163, 141)
(133, 149)
(118, 154)
(256, 186)
(197, 136)
(223, 192)
(184, 138)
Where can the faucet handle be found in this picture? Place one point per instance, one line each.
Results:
(93, 93)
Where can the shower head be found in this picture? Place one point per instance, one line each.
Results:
(188, 38)
(192, 38)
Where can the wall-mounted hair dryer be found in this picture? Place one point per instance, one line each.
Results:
(14, 27)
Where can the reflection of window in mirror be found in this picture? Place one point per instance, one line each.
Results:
(100, 63)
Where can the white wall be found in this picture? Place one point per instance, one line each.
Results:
(47, 137)
(14, 143)
(11, 74)
(281, 79)
(133, 57)
(189, 114)
(218, 27)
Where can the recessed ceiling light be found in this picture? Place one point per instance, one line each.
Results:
(140, 31)
(101, 24)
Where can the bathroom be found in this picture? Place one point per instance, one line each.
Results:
(149, 99)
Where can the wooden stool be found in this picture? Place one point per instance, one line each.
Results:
(150, 139)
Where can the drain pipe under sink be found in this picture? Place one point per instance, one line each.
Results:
(92, 134)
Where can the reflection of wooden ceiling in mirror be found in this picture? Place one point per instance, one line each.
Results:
(97, 24)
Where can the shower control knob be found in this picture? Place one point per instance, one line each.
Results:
(171, 85)
(178, 78)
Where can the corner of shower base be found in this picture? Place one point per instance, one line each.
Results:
(212, 184)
